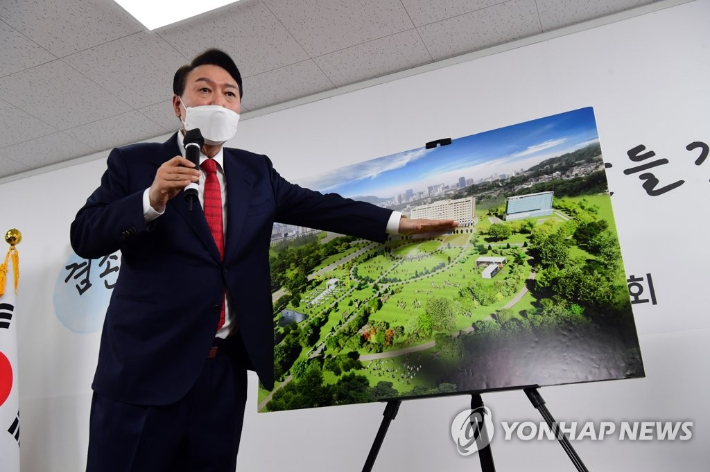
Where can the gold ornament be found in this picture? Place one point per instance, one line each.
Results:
(13, 237)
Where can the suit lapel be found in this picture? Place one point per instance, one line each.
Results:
(239, 187)
(194, 218)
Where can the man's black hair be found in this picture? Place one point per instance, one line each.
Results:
(213, 57)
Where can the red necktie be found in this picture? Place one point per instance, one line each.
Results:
(213, 213)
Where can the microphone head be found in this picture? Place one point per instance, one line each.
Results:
(194, 136)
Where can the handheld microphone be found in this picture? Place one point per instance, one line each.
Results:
(193, 143)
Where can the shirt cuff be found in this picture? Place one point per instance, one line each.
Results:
(149, 213)
(393, 223)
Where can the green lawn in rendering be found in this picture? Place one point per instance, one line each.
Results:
(603, 201)
(457, 239)
(375, 267)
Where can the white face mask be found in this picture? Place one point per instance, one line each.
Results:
(216, 123)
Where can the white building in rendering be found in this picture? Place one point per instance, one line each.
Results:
(490, 271)
(462, 210)
(494, 265)
(488, 260)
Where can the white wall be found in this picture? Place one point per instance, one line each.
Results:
(647, 79)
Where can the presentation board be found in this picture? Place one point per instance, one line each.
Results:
(528, 290)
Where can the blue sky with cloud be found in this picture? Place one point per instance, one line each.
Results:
(477, 156)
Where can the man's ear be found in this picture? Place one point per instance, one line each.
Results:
(176, 106)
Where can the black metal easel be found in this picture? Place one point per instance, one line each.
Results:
(539, 404)
(484, 453)
(390, 413)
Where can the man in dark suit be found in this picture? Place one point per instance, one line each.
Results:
(191, 310)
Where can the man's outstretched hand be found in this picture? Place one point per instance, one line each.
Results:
(420, 226)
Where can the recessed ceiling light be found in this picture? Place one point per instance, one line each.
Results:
(156, 13)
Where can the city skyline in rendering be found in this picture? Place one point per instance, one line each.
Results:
(502, 151)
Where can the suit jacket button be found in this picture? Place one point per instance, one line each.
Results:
(216, 308)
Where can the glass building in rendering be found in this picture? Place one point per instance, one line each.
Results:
(527, 206)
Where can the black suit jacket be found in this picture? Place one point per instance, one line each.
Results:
(164, 310)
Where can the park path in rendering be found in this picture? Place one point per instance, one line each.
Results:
(400, 352)
(566, 218)
(518, 296)
(266, 400)
(514, 301)
(278, 294)
(329, 236)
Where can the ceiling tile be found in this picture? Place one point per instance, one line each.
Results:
(374, 58)
(424, 12)
(59, 95)
(9, 166)
(64, 27)
(138, 69)
(162, 114)
(246, 30)
(559, 13)
(340, 23)
(47, 150)
(116, 131)
(16, 126)
(18, 52)
(481, 29)
(287, 83)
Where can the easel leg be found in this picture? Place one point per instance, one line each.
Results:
(484, 454)
(539, 403)
(390, 413)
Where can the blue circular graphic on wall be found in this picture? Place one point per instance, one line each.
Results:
(83, 290)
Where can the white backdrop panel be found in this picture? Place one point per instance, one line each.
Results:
(647, 79)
